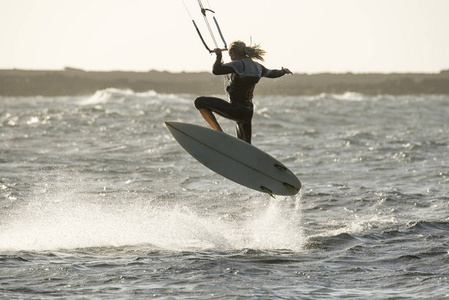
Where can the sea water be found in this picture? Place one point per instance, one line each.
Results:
(98, 201)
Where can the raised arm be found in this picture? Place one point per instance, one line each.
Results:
(218, 68)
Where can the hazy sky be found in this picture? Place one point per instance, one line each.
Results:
(307, 36)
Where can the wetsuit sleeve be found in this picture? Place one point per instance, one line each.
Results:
(220, 69)
(272, 73)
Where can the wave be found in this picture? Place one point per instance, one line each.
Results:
(114, 94)
(348, 96)
(120, 95)
(344, 240)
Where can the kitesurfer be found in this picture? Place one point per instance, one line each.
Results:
(245, 74)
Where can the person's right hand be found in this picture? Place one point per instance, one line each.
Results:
(217, 51)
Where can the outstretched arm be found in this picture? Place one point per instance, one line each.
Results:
(275, 73)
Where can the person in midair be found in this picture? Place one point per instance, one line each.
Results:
(245, 74)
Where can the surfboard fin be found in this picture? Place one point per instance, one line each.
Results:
(268, 191)
(296, 190)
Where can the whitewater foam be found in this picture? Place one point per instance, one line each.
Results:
(65, 217)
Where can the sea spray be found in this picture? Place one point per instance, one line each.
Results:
(66, 217)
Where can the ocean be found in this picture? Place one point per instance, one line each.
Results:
(98, 201)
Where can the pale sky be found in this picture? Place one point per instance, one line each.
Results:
(307, 36)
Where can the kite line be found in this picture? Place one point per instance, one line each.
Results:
(208, 13)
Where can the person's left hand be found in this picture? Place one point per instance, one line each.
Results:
(287, 71)
(217, 51)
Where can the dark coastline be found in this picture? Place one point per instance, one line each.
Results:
(72, 82)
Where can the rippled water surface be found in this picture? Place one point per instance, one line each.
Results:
(99, 201)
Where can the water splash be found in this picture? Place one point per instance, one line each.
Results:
(68, 218)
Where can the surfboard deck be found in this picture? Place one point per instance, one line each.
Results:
(235, 159)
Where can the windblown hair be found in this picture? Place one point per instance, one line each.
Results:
(240, 48)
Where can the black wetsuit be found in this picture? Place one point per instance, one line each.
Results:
(245, 74)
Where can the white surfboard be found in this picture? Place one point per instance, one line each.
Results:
(235, 159)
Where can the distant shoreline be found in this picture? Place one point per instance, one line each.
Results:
(73, 82)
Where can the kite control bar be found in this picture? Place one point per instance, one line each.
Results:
(204, 12)
(204, 42)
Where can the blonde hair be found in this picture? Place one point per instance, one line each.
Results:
(240, 48)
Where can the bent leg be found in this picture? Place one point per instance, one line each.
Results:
(208, 105)
(240, 113)
(210, 118)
